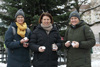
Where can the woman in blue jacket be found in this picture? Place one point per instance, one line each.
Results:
(15, 41)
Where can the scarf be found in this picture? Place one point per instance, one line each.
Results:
(21, 30)
(47, 28)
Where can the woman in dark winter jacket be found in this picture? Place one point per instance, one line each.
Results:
(16, 40)
(79, 39)
(45, 41)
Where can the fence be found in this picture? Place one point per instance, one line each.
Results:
(3, 54)
(62, 55)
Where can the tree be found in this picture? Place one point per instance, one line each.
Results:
(78, 3)
(2, 29)
(33, 9)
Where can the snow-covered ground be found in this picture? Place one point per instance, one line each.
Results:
(3, 65)
(95, 57)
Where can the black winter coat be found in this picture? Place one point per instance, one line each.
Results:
(39, 37)
(18, 56)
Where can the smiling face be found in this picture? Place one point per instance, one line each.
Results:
(74, 20)
(20, 19)
(46, 21)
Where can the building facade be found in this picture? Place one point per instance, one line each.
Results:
(93, 15)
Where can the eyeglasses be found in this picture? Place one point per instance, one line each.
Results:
(20, 17)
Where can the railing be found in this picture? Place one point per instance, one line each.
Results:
(3, 54)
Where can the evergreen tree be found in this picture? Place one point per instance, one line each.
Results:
(33, 9)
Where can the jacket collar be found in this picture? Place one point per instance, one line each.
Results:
(13, 24)
(81, 23)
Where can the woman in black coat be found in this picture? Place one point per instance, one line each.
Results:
(45, 41)
(18, 50)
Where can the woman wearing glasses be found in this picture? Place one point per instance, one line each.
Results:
(16, 40)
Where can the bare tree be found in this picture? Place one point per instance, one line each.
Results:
(78, 3)
(90, 9)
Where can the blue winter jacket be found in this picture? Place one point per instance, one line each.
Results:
(18, 56)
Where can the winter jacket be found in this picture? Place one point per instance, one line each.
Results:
(79, 57)
(39, 37)
(18, 56)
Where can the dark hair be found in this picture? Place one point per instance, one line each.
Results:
(46, 14)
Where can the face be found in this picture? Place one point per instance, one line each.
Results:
(46, 20)
(74, 20)
(20, 19)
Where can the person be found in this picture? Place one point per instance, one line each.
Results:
(17, 44)
(45, 41)
(79, 39)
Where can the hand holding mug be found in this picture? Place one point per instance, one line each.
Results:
(75, 44)
(24, 40)
(67, 44)
(54, 47)
(42, 48)
(25, 44)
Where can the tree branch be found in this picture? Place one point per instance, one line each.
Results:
(82, 3)
(66, 3)
(76, 5)
(89, 9)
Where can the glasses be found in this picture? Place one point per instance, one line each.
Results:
(20, 17)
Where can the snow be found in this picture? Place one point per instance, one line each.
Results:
(62, 66)
(3, 65)
(95, 58)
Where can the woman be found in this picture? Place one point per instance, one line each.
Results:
(15, 41)
(79, 41)
(42, 41)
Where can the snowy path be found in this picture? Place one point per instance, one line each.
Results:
(95, 58)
